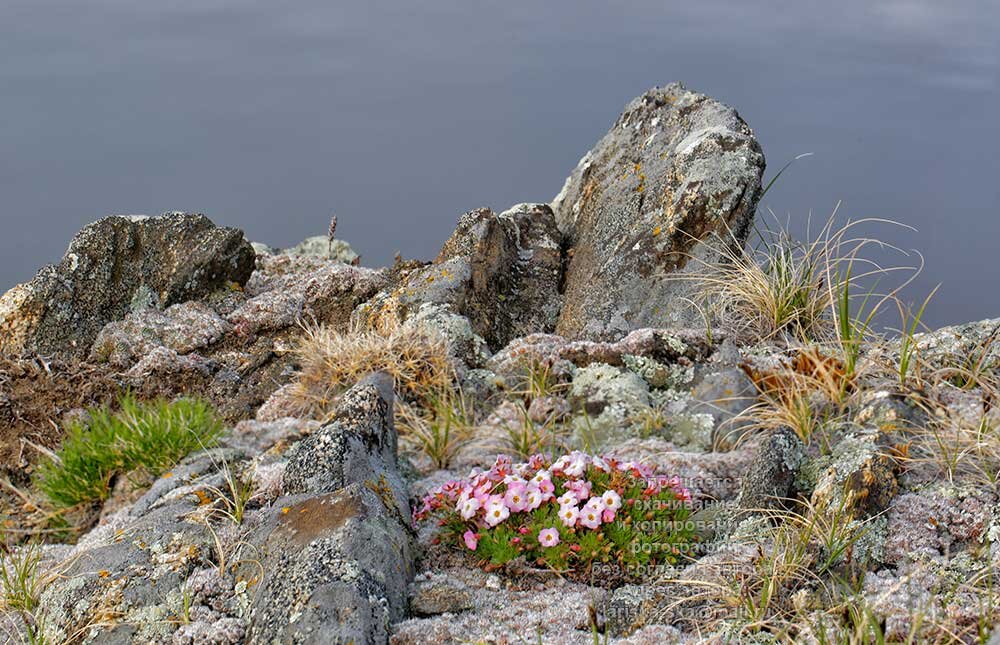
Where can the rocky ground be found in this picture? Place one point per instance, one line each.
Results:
(834, 502)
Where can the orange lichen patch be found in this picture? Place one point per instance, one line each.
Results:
(588, 192)
(319, 516)
(204, 497)
(384, 492)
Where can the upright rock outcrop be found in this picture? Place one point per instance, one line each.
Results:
(641, 208)
(116, 265)
(336, 554)
(499, 271)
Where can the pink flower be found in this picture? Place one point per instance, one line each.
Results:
(467, 506)
(471, 540)
(608, 515)
(532, 498)
(451, 488)
(568, 499)
(547, 489)
(537, 462)
(611, 500)
(496, 512)
(590, 518)
(515, 497)
(569, 514)
(561, 463)
(548, 537)
(594, 504)
(482, 492)
(579, 488)
(576, 467)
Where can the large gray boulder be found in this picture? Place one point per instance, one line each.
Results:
(499, 271)
(642, 207)
(116, 265)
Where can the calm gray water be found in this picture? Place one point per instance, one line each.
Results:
(400, 116)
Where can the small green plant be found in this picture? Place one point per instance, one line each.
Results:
(237, 493)
(20, 578)
(652, 421)
(22, 582)
(852, 329)
(141, 435)
(907, 341)
(539, 381)
(439, 430)
(527, 437)
(187, 600)
(976, 369)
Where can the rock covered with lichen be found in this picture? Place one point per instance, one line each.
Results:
(117, 265)
(501, 272)
(641, 209)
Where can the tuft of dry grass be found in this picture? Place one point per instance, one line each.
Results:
(529, 436)
(539, 382)
(956, 446)
(786, 288)
(237, 493)
(332, 361)
(809, 395)
(23, 578)
(800, 584)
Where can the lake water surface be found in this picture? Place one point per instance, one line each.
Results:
(400, 116)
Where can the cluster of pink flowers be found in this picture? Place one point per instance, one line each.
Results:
(488, 498)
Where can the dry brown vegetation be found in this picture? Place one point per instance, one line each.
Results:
(331, 361)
